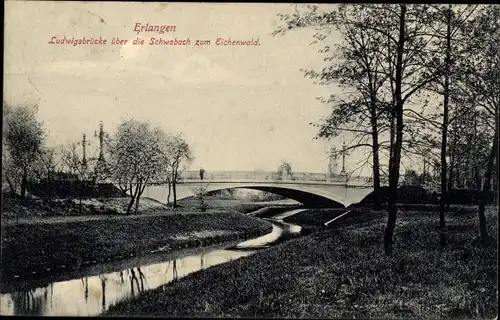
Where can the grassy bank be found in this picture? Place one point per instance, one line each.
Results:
(315, 216)
(318, 217)
(342, 272)
(239, 205)
(35, 210)
(54, 247)
(14, 209)
(269, 212)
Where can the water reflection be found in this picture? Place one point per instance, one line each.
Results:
(102, 291)
(28, 303)
(86, 286)
(103, 287)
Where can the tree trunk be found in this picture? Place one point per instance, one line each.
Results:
(24, 182)
(169, 191)
(391, 223)
(375, 152)
(50, 186)
(486, 188)
(477, 175)
(140, 187)
(394, 162)
(137, 204)
(174, 191)
(130, 204)
(452, 165)
(442, 205)
(11, 187)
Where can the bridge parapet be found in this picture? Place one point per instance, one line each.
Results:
(274, 176)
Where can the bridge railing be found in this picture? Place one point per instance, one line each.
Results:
(273, 176)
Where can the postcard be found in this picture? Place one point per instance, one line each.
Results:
(250, 160)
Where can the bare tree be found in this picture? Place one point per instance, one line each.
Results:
(481, 79)
(48, 166)
(355, 65)
(77, 167)
(165, 173)
(180, 154)
(446, 22)
(401, 41)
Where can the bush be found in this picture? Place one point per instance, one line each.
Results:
(73, 189)
(406, 194)
(419, 195)
(469, 196)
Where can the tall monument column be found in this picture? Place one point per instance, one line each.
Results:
(101, 167)
(101, 136)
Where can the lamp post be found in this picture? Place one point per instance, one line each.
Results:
(342, 172)
(84, 144)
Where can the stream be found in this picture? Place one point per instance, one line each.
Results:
(90, 291)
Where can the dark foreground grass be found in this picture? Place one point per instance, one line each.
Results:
(52, 248)
(342, 272)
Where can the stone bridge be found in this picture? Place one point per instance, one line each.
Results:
(311, 189)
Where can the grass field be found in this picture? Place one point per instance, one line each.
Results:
(343, 272)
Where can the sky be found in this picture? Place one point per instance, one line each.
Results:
(239, 108)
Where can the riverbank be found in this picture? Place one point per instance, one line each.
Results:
(45, 248)
(344, 273)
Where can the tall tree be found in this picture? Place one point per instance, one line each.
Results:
(180, 154)
(445, 24)
(354, 65)
(481, 80)
(401, 44)
(166, 143)
(136, 158)
(23, 139)
(406, 49)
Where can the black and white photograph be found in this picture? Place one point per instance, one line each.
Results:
(250, 160)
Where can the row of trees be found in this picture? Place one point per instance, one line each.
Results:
(417, 79)
(137, 155)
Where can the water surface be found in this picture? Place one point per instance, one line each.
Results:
(92, 293)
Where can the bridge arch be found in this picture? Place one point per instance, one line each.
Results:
(311, 195)
(308, 199)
